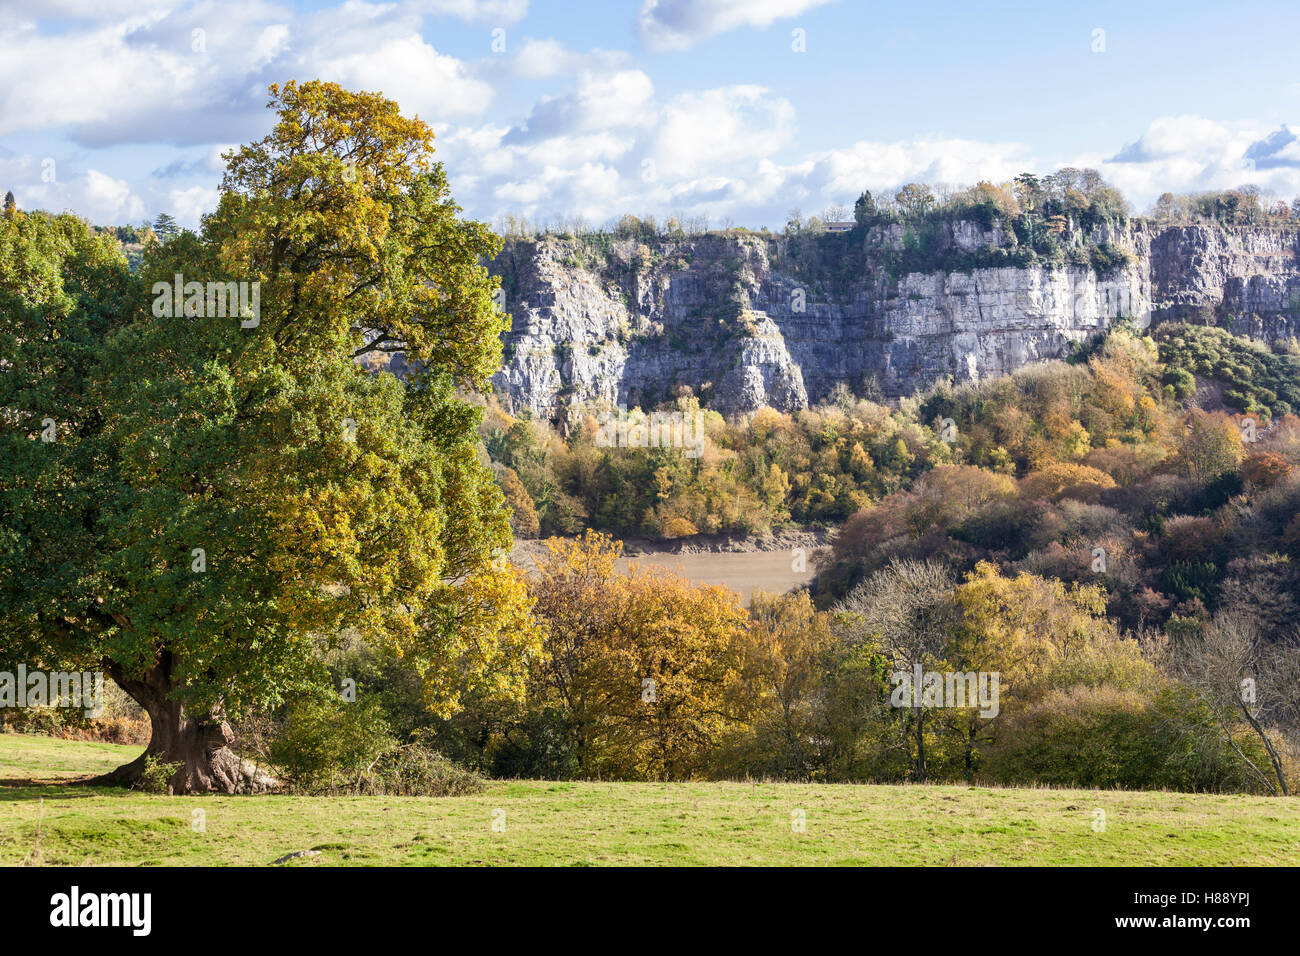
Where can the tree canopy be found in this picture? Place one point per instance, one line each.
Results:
(227, 493)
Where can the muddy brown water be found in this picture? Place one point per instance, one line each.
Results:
(760, 567)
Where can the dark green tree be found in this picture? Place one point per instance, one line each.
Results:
(228, 491)
(864, 210)
(165, 227)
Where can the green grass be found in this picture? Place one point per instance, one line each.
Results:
(45, 758)
(594, 824)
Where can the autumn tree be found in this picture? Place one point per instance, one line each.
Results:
(785, 648)
(947, 494)
(643, 664)
(230, 490)
(915, 200)
(523, 515)
(1038, 635)
(1264, 470)
(1063, 479)
(574, 600)
(1207, 445)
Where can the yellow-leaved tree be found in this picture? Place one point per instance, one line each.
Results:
(641, 663)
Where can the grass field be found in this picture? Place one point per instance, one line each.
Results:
(586, 824)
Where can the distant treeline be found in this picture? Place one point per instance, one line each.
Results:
(1029, 201)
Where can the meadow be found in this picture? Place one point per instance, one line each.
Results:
(48, 818)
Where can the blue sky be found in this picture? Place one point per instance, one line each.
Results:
(119, 109)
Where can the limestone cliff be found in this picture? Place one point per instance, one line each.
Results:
(751, 319)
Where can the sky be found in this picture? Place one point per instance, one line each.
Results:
(736, 110)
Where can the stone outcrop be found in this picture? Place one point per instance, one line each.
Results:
(748, 319)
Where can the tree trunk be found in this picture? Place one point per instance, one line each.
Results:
(920, 744)
(200, 744)
(1278, 770)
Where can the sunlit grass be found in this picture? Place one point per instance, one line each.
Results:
(580, 824)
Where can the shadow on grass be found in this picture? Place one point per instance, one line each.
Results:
(18, 789)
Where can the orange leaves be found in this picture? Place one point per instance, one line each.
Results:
(641, 661)
(1265, 469)
(1062, 480)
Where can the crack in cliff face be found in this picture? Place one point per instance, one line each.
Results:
(740, 321)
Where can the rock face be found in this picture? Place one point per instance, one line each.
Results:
(746, 319)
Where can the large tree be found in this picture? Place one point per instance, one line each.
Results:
(230, 491)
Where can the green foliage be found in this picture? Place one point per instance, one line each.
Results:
(165, 227)
(415, 770)
(1106, 738)
(1191, 580)
(1106, 257)
(206, 515)
(157, 775)
(1258, 380)
(326, 743)
(748, 475)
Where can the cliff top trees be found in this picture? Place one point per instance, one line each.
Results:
(915, 200)
(229, 489)
(864, 209)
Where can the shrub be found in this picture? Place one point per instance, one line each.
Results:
(1105, 737)
(414, 770)
(1079, 737)
(324, 744)
(1190, 580)
(1107, 257)
(156, 777)
(1265, 469)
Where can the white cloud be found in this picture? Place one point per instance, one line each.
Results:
(101, 198)
(601, 101)
(541, 59)
(188, 205)
(678, 24)
(82, 9)
(603, 144)
(198, 73)
(840, 172)
(1192, 154)
(271, 42)
(109, 73)
(721, 126)
(406, 69)
(1186, 136)
(502, 12)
